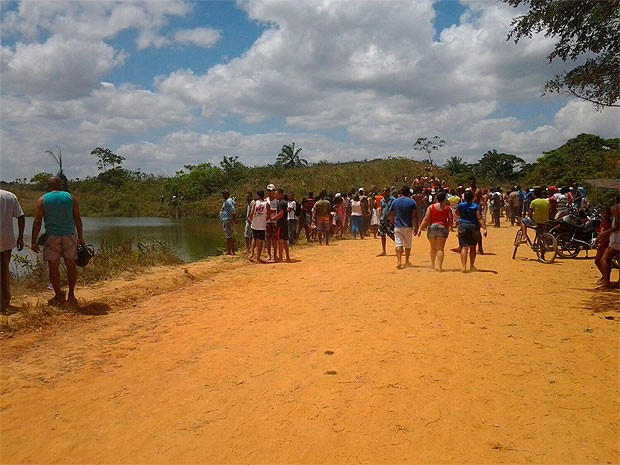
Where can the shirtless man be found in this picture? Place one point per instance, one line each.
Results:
(322, 212)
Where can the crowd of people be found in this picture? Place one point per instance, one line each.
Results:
(276, 219)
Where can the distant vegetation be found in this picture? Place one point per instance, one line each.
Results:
(195, 190)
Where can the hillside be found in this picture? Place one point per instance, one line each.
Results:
(195, 190)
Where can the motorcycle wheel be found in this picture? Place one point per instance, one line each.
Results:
(566, 247)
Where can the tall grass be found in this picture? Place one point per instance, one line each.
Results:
(109, 260)
(31, 276)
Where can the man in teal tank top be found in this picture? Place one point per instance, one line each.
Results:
(60, 212)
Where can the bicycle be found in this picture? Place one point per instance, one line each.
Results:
(544, 244)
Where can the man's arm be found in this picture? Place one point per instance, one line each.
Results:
(391, 212)
(530, 211)
(233, 211)
(251, 215)
(78, 221)
(278, 215)
(21, 225)
(481, 221)
(414, 220)
(36, 225)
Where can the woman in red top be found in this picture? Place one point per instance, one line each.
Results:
(439, 219)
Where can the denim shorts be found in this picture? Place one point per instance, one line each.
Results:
(436, 230)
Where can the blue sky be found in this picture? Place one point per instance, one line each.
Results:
(170, 83)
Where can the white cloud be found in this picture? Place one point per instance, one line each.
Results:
(200, 37)
(579, 116)
(343, 79)
(91, 20)
(57, 69)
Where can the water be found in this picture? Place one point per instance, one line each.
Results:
(192, 238)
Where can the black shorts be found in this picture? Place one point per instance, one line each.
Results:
(258, 234)
(283, 232)
(468, 234)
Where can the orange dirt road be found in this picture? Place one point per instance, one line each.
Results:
(335, 358)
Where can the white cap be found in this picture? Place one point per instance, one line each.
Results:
(271, 187)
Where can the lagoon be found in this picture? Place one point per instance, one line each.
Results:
(192, 238)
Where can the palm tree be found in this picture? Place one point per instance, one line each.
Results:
(61, 173)
(455, 165)
(499, 167)
(289, 157)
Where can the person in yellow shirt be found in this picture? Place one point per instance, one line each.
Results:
(538, 212)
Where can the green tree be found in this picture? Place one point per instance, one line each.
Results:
(455, 165)
(584, 157)
(202, 181)
(40, 180)
(107, 158)
(115, 176)
(232, 170)
(584, 28)
(499, 168)
(429, 146)
(289, 157)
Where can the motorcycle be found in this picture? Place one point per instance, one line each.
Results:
(575, 232)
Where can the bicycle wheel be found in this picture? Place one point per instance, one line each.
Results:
(547, 248)
(518, 237)
(566, 247)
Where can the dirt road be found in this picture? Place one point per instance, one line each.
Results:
(335, 358)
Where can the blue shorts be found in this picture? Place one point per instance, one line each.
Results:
(436, 230)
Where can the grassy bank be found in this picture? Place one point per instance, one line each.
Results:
(32, 278)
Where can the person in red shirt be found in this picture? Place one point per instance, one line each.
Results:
(439, 220)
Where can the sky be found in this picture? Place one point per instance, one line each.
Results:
(172, 83)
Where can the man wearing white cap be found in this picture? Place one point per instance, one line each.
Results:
(271, 239)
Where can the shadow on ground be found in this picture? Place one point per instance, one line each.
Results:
(602, 300)
(93, 309)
